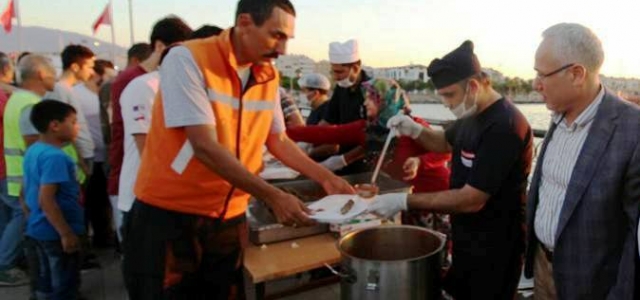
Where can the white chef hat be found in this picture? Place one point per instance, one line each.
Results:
(344, 53)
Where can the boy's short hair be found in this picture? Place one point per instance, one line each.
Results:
(47, 111)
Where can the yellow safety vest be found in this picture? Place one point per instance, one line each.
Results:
(14, 145)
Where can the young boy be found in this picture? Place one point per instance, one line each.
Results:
(51, 193)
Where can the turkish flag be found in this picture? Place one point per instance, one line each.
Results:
(105, 18)
(7, 15)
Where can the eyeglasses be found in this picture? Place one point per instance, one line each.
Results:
(554, 72)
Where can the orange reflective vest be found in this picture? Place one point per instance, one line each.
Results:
(170, 176)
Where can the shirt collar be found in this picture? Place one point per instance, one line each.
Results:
(586, 116)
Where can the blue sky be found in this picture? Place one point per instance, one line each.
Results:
(391, 32)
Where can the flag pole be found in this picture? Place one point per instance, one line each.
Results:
(113, 34)
(131, 22)
(16, 7)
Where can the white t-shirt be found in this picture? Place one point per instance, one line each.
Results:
(64, 93)
(91, 108)
(184, 95)
(135, 102)
(26, 127)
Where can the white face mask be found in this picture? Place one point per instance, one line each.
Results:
(346, 82)
(461, 111)
(307, 98)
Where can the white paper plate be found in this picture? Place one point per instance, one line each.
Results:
(281, 172)
(330, 206)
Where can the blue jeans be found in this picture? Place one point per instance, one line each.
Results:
(58, 272)
(12, 232)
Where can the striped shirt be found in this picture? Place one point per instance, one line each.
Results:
(558, 165)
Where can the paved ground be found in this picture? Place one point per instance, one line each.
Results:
(106, 284)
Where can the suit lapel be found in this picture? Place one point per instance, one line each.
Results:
(594, 147)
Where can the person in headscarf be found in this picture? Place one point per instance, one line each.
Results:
(407, 160)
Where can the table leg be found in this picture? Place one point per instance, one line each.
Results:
(253, 291)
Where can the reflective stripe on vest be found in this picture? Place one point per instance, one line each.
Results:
(186, 153)
(247, 105)
(13, 151)
(14, 179)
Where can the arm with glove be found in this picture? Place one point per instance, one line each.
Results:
(464, 200)
(430, 139)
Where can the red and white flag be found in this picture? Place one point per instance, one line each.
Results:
(7, 15)
(104, 19)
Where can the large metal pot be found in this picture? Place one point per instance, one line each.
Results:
(391, 262)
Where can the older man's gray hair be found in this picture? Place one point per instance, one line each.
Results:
(30, 65)
(575, 43)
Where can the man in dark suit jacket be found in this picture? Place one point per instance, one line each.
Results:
(582, 211)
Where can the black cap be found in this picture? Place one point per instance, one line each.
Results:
(458, 65)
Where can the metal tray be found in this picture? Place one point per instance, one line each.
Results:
(263, 227)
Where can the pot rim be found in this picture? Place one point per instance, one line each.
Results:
(443, 242)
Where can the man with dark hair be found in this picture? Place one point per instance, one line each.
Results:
(97, 201)
(206, 31)
(77, 67)
(136, 102)
(78, 55)
(217, 109)
(491, 146)
(165, 32)
(138, 53)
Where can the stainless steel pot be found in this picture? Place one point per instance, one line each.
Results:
(391, 262)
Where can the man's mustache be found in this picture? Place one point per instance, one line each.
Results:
(273, 55)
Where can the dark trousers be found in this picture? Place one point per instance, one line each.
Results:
(170, 255)
(58, 273)
(33, 263)
(495, 276)
(98, 207)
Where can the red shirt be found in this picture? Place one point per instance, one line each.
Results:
(433, 173)
(116, 149)
(4, 98)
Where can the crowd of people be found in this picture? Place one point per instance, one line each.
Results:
(160, 160)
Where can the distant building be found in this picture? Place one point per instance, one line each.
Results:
(623, 85)
(324, 67)
(288, 64)
(371, 71)
(405, 73)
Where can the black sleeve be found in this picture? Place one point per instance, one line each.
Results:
(498, 151)
(332, 112)
(451, 132)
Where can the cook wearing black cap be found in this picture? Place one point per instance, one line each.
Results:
(491, 146)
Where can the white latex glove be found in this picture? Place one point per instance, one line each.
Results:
(334, 163)
(388, 205)
(404, 125)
